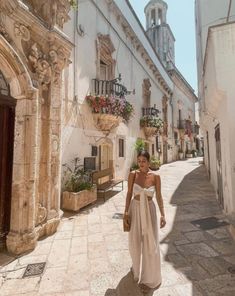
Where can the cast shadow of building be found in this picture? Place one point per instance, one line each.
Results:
(197, 260)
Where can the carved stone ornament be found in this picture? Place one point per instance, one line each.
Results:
(3, 30)
(41, 214)
(105, 48)
(53, 12)
(106, 122)
(4, 33)
(146, 89)
(22, 31)
(8, 6)
(47, 67)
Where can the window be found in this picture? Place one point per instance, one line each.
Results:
(179, 114)
(159, 16)
(94, 151)
(153, 17)
(103, 71)
(121, 147)
(158, 144)
(153, 150)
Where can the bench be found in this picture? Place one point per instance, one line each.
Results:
(104, 180)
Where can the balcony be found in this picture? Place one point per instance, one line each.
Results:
(108, 105)
(109, 88)
(185, 127)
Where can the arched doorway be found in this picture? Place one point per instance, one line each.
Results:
(7, 123)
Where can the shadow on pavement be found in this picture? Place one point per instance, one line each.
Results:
(127, 286)
(87, 209)
(199, 259)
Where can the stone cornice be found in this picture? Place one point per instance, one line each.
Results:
(52, 13)
(183, 85)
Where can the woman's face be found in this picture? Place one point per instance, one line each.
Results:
(143, 163)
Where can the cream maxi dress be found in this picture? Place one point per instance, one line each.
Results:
(143, 238)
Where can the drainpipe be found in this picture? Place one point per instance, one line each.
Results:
(229, 10)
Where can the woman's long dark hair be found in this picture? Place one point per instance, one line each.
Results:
(145, 154)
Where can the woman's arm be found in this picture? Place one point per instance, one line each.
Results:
(160, 201)
(129, 191)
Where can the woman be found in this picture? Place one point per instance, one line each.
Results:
(141, 213)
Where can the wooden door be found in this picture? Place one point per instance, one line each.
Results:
(219, 166)
(104, 157)
(7, 120)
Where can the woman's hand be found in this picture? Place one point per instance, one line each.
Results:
(126, 218)
(162, 221)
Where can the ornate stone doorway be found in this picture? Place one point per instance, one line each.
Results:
(7, 123)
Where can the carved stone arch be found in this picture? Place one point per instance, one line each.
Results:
(24, 164)
(15, 71)
(105, 49)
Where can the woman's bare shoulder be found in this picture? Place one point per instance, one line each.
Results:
(132, 174)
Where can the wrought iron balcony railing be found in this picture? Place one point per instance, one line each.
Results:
(150, 111)
(109, 87)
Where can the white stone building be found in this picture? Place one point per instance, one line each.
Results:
(216, 65)
(33, 53)
(112, 42)
(51, 59)
(184, 129)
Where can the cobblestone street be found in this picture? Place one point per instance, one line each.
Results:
(88, 256)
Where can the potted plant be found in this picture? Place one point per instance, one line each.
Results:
(139, 145)
(181, 153)
(151, 125)
(155, 163)
(78, 190)
(134, 167)
(189, 154)
(194, 153)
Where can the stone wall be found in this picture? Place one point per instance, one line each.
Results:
(32, 58)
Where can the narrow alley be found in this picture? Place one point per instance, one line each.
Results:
(88, 256)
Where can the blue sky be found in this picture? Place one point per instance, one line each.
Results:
(181, 19)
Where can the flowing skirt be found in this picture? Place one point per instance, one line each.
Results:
(146, 264)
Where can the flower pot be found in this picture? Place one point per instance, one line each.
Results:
(74, 201)
(150, 131)
(154, 167)
(106, 122)
(181, 155)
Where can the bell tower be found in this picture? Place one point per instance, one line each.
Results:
(159, 32)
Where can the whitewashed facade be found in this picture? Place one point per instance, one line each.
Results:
(216, 66)
(143, 73)
(133, 58)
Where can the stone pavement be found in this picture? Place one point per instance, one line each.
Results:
(88, 256)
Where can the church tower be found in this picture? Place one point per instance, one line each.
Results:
(159, 32)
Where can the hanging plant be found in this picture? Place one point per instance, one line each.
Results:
(111, 105)
(151, 121)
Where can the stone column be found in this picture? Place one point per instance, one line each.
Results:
(22, 236)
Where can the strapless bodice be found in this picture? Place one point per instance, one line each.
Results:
(137, 190)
